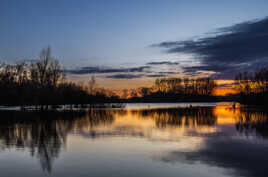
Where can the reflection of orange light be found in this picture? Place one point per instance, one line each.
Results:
(225, 114)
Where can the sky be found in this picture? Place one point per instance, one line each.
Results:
(127, 43)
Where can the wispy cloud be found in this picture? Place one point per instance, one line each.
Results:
(125, 76)
(99, 70)
(121, 73)
(163, 63)
(228, 50)
(156, 75)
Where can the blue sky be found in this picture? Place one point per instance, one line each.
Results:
(113, 32)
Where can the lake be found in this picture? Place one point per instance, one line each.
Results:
(187, 140)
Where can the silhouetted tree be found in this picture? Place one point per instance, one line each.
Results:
(253, 87)
(177, 89)
(41, 83)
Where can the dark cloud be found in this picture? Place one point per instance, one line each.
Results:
(132, 76)
(200, 68)
(161, 74)
(125, 76)
(192, 73)
(169, 72)
(163, 63)
(122, 73)
(156, 75)
(99, 70)
(241, 47)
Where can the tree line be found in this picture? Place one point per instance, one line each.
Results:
(253, 87)
(175, 89)
(199, 86)
(41, 83)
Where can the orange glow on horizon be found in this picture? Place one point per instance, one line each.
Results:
(224, 88)
(224, 91)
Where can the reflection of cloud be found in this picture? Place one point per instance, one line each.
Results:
(243, 156)
(99, 70)
(194, 130)
(235, 48)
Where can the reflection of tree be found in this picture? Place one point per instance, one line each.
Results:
(249, 121)
(92, 119)
(45, 134)
(239, 156)
(179, 117)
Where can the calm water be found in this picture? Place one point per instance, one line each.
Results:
(142, 140)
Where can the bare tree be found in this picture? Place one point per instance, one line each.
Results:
(46, 71)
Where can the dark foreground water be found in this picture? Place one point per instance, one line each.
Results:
(148, 141)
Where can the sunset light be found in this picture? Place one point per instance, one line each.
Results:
(133, 88)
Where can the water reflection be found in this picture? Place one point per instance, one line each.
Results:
(189, 117)
(244, 154)
(44, 135)
(252, 121)
(215, 136)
